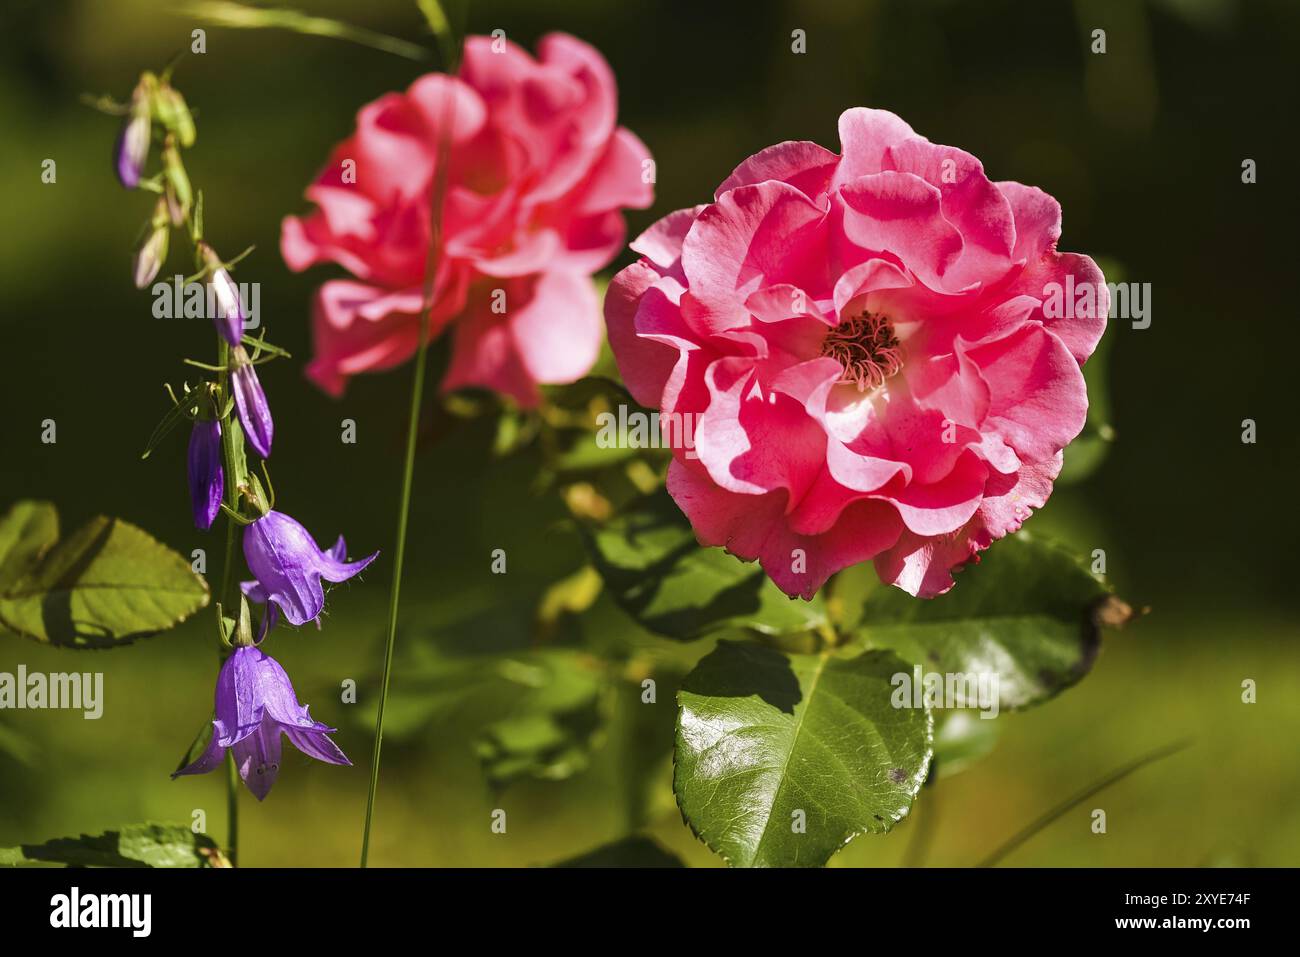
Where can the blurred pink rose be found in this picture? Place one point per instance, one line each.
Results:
(538, 175)
(861, 343)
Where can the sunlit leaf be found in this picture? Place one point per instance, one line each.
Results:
(136, 845)
(781, 759)
(107, 584)
(1029, 612)
(660, 575)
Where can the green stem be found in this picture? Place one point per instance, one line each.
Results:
(442, 30)
(399, 557)
(1070, 803)
(430, 272)
(227, 456)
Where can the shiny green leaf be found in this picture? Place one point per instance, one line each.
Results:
(1029, 612)
(781, 760)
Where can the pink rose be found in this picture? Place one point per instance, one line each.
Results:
(861, 344)
(538, 174)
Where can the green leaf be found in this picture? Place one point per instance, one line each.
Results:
(553, 717)
(107, 584)
(539, 713)
(137, 845)
(26, 533)
(1029, 612)
(659, 574)
(962, 739)
(763, 736)
(633, 851)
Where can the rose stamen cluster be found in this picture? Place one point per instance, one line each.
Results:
(866, 349)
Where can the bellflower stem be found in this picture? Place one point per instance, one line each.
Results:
(412, 425)
(227, 455)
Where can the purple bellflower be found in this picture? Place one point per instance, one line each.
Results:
(254, 591)
(250, 400)
(206, 474)
(255, 703)
(288, 566)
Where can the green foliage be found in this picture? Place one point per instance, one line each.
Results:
(781, 760)
(1085, 454)
(659, 574)
(633, 851)
(1029, 611)
(107, 584)
(539, 712)
(136, 845)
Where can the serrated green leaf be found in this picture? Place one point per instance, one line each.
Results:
(659, 574)
(107, 584)
(27, 531)
(1027, 612)
(769, 743)
(136, 845)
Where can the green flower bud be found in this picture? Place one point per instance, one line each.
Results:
(174, 172)
(170, 110)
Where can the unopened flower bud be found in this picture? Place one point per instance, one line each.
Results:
(206, 474)
(250, 400)
(229, 315)
(152, 253)
(171, 111)
(174, 173)
(174, 209)
(132, 148)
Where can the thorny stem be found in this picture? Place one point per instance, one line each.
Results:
(412, 430)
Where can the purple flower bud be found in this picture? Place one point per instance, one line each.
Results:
(132, 148)
(255, 703)
(289, 566)
(206, 474)
(254, 413)
(229, 313)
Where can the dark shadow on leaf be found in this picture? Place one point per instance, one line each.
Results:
(638, 590)
(742, 670)
(56, 606)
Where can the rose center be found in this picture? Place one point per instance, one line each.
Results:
(866, 349)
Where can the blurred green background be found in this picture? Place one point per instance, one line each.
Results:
(1143, 147)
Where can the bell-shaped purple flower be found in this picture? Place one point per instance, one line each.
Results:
(223, 297)
(289, 566)
(254, 591)
(206, 474)
(255, 703)
(250, 400)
